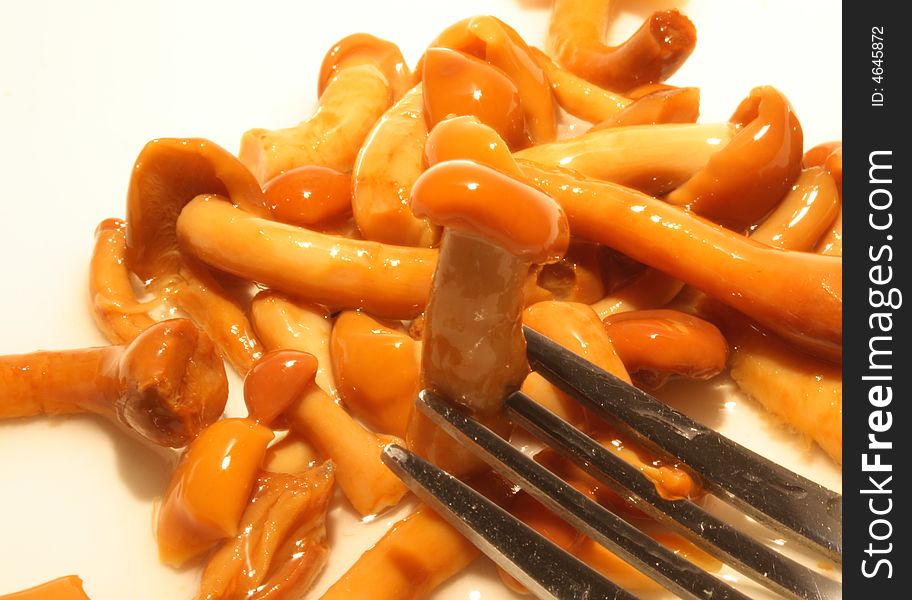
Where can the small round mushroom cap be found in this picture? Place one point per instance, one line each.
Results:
(510, 213)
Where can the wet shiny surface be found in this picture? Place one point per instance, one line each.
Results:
(747, 178)
(209, 489)
(309, 195)
(275, 382)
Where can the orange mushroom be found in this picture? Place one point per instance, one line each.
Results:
(576, 38)
(168, 174)
(655, 344)
(744, 180)
(796, 294)
(167, 384)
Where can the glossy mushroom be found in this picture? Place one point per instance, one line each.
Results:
(167, 384)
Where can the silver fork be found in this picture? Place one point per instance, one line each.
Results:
(781, 499)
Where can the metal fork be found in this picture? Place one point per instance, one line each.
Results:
(787, 502)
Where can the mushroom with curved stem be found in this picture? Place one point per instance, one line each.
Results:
(656, 344)
(803, 215)
(281, 544)
(377, 366)
(283, 323)
(168, 174)
(167, 384)
(743, 181)
(796, 294)
(359, 78)
(653, 53)
(654, 159)
(118, 314)
(386, 167)
(494, 41)
(386, 280)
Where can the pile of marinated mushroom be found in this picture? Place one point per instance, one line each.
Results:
(399, 239)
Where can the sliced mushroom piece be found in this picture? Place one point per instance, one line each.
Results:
(167, 384)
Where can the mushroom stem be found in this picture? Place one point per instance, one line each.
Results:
(283, 323)
(400, 565)
(796, 294)
(353, 100)
(476, 361)
(803, 215)
(650, 289)
(388, 164)
(389, 281)
(118, 314)
(355, 451)
(167, 384)
(580, 98)
(654, 159)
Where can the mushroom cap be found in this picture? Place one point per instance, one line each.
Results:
(276, 381)
(508, 212)
(363, 48)
(456, 83)
(174, 383)
(168, 174)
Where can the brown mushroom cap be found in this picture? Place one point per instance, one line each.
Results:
(470, 197)
(169, 173)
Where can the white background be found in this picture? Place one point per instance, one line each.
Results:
(84, 85)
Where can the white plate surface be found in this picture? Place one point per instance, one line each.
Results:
(84, 85)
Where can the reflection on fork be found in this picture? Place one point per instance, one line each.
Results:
(792, 505)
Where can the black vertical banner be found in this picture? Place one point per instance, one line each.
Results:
(877, 463)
